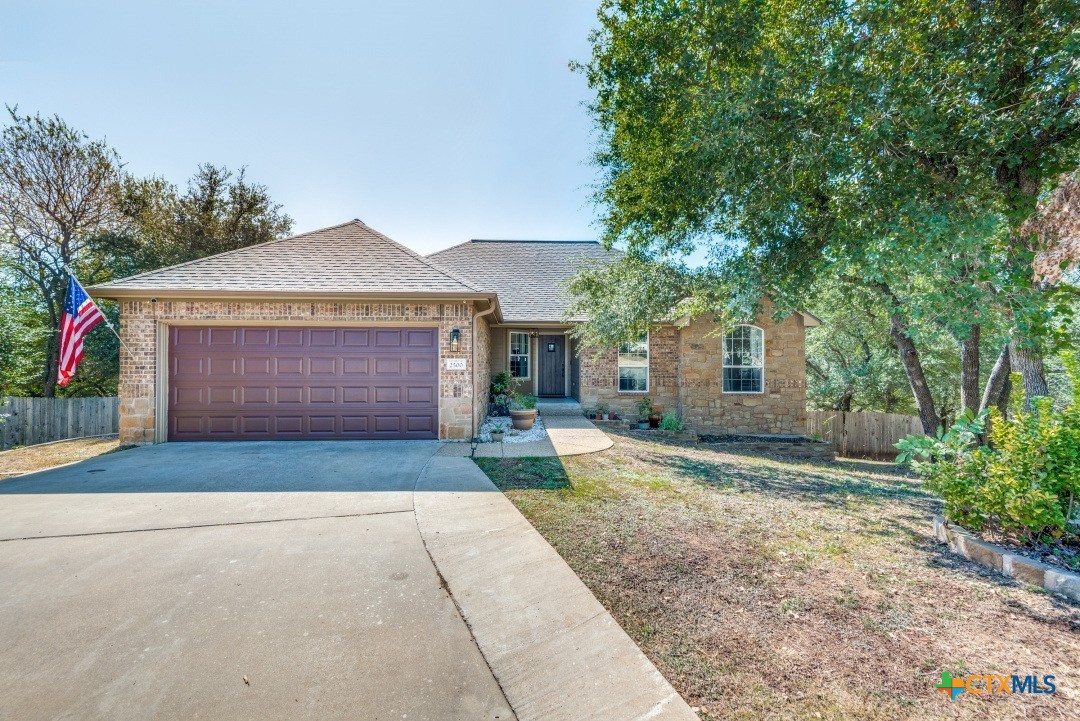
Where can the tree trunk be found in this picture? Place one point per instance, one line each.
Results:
(1028, 362)
(969, 371)
(999, 378)
(909, 356)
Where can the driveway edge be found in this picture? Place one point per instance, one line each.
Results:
(554, 649)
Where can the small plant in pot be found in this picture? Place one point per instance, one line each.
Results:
(523, 411)
(498, 434)
(644, 411)
(601, 409)
(655, 417)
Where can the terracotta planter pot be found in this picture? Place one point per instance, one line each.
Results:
(523, 420)
(611, 415)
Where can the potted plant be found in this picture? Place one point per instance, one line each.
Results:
(523, 411)
(611, 415)
(601, 409)
(644, 411)
(655, 417)
(497, 435)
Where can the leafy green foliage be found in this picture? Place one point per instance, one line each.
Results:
(524, 401)
(64, 202)
(1025, 483)
(219, 211)
(899, 145)
(644, 408)
(671, 422)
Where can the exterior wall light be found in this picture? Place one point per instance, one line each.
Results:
(455, 339)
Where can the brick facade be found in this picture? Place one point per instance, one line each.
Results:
(685, 364)
(685, 375)
(139, 320)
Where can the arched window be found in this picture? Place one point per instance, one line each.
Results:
(744, 360)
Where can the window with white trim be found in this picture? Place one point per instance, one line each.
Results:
(744, 360)
(634, 365)
(519, 355)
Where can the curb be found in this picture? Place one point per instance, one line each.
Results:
(964, 543)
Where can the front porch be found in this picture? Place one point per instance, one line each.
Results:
(540, 359)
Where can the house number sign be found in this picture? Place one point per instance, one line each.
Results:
(455, 364)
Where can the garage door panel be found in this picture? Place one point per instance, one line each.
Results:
(323, 367)
(289, 337)
(224, 338)
(258, 383)
(256, 337)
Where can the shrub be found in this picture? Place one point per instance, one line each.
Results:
(501, 384)
(671, 422)
(524, 401)
(1026, 482)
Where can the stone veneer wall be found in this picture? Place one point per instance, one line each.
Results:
(780, 409)
(139, 319)
(483, 370)
(696, 354)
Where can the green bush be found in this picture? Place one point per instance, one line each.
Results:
(671, 422)
(644, 408)
(524, 401)
(1025, 482)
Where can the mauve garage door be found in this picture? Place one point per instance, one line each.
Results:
(287, 383)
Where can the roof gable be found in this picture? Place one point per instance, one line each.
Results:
(347, 258)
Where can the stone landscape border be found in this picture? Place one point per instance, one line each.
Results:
(1028, 570)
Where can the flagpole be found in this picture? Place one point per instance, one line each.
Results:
(108, 323)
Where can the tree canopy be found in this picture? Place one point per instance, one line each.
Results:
(899, 146)
(66, 202)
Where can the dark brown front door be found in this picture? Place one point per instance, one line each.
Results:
(288, 383)
(552, 380)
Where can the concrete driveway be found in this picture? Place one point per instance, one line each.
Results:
(255, 580)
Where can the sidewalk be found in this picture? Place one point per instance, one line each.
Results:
(557, 654)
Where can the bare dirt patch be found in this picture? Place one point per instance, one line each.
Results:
(766, 588)
(20, 461)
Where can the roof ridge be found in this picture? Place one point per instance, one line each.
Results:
(528, 240)
(413, 254)
(224, 252)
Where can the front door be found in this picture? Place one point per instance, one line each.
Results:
(552, 380)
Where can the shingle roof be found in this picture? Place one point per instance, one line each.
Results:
(346, 258)
(528, 275)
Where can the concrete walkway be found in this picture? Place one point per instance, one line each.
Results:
(556, 652)
(570, 433)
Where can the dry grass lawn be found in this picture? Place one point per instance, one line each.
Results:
(19, 461)
(773, 589)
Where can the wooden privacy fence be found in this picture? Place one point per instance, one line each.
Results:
(26, 421)
(862, 435)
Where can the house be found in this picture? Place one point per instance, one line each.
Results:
(345, 333)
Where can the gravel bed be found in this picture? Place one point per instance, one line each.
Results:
(491, 423)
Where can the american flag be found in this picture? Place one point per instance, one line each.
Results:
(80, 316)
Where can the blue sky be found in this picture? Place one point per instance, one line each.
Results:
(434, 122)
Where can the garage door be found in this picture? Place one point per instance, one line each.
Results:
(265, 383)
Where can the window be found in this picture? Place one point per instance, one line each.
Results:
(744, 360)
(519, 355)
(634, 365)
